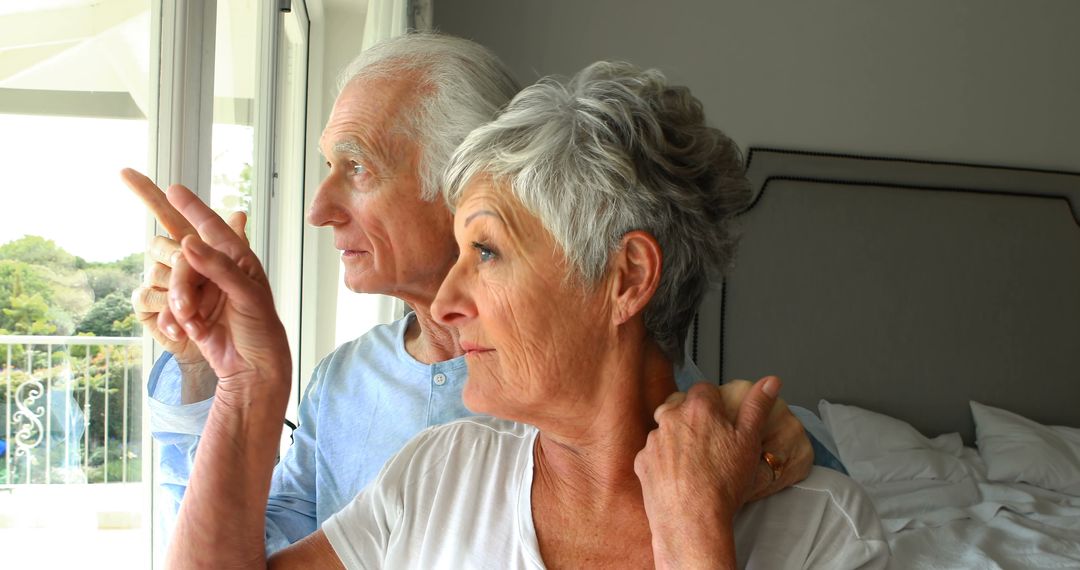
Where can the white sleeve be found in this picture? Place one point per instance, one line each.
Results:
(826, 522)
(849, 534)
(361, 531)
(838, 547)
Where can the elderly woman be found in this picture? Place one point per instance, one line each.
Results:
(589, 219)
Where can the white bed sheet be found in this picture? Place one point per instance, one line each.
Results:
(976, 523)
(1007, 541)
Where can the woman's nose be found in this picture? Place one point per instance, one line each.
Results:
(453, 305)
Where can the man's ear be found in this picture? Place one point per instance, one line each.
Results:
(636, 274)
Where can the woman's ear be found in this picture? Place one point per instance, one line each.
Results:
(636, 272)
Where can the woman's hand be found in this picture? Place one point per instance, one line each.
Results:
(697, 469)
(218, 296)
(150, 299)
(219, 299)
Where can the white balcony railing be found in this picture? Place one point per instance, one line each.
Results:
(70, 409)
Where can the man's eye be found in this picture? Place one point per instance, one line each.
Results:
(484, 252)
(358, 169)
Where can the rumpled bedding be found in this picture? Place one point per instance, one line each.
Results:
(977, 523)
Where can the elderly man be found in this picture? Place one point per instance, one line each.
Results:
(403, 107)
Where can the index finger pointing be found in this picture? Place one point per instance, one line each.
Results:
(155, 200)
(211, 228)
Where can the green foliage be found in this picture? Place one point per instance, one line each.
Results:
(69, 297)
(109, 279)
(35, 270)
(37, 250)
(114, 308)
(121, 275)
(17, 277)
(45, 290)
(26, 314)
(99, 471)
(128, 326)
(132, 264)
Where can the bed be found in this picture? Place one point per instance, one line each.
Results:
(930, 312)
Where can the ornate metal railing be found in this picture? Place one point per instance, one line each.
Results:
(70, 409)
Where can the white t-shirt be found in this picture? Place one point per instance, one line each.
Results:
(460, 496)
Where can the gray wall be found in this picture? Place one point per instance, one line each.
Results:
(964, 80)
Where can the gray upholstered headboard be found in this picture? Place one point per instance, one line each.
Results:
(905, 287)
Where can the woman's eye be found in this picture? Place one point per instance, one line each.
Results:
(484, 252)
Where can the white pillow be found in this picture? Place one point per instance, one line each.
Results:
(877, 448)
(1016, 449)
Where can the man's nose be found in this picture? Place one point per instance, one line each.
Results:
(326, 209)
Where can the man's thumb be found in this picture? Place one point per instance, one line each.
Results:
(758, 404)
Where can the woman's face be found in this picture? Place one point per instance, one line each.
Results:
(532, 338)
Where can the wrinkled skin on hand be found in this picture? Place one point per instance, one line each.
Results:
(698, 468)
(150, 299)
(783, 436)
(219, 298)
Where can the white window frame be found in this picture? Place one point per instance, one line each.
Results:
(182, 112)
(181, 122)
(181, 118)
(286, 207)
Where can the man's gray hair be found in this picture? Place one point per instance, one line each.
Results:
(462, 86)
(617, 149)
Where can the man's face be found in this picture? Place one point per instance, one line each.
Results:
(392, 242)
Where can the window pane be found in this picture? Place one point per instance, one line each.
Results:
(74, 459)
(233, 137)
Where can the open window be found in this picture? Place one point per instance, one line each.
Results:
(209, 94)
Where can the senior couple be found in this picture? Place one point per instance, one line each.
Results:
(584, 224)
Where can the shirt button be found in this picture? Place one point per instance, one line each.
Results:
(440, 379)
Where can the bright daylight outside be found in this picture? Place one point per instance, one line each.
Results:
(75, 92)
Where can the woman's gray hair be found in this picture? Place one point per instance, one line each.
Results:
(617, 149)
(462, 86)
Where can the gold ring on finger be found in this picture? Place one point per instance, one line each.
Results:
(774, 463)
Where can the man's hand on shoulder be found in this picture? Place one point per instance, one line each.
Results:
(787, 455)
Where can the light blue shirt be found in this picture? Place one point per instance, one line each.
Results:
(363, 403)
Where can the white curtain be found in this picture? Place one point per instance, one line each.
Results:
(356, 313)
(388, 18)
(385, 19)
